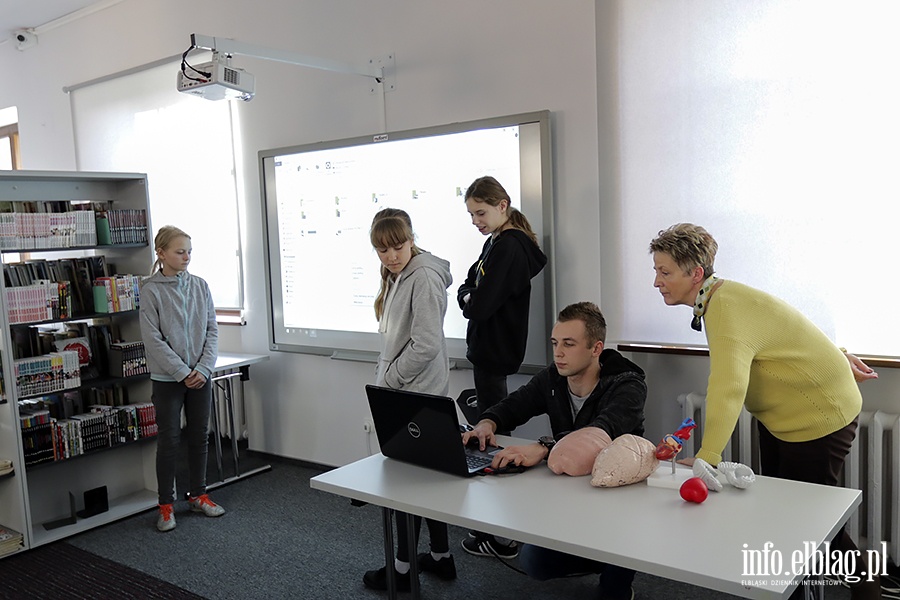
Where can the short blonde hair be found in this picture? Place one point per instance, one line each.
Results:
(689, 246)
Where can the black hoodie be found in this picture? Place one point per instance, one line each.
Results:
(616, 405)
(499, 301)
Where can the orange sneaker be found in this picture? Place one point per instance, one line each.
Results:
(203, 504)
(166, 520)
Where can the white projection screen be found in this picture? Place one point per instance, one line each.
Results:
(319, 200)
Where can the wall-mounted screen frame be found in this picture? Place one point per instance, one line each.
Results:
(318, 201)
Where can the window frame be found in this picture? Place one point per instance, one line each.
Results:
(11, 132)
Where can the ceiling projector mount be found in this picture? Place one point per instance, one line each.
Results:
(219, 80)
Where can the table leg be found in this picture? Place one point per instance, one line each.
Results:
(229, 404)
(413, 549)
(217, 436)
(389, 552)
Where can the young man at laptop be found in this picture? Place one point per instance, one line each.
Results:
(586, 386)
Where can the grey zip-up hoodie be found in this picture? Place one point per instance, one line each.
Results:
(413, 349)
(178, 326)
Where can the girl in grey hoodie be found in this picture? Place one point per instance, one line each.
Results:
(178, 326)
(410, 309)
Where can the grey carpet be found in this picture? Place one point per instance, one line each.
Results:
(281, 539)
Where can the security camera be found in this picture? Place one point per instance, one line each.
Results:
(25, 39)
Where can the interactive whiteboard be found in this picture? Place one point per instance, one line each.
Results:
(319, 200)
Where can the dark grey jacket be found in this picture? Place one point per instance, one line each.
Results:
(616, 405)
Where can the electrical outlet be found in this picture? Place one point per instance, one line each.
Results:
(368, 426)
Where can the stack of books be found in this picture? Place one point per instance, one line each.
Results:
(42, 301)
(45, 438)
(93, 432)
(128, 226)
(127, 359)
(117, 293)
(51, 372)
(67, 438)
(37, 435)
(78, 275)
(146, 413)
(46, 230)
(10, 540)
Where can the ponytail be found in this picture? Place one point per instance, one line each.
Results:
(518, 220)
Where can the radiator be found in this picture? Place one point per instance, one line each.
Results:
(228, 382)
(874, 459)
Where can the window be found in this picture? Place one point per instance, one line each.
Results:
(138, 122)
(9, 139)
(778, 136)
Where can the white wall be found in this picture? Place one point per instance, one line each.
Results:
(455, 62)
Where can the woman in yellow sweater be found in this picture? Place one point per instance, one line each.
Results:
(765, 355)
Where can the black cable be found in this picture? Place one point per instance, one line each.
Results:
(504, 562)
(508, 564)
(184, 63)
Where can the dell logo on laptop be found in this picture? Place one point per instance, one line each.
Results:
(413, 430)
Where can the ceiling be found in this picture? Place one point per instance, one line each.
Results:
(29, 14)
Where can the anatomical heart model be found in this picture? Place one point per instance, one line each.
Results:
(669, 447)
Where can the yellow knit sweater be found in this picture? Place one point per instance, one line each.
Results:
(765, 355)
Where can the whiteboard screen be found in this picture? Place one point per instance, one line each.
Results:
(319, 200)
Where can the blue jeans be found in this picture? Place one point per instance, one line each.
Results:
(543, 564)
(168, 399)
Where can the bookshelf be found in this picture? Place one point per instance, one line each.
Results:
(84, 229)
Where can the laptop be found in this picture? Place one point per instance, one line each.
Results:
(423, 429)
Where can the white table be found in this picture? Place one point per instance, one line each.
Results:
(651, 530)
(231, 366)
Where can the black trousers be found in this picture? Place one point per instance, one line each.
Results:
(437, 531)
(489, 390)
(816, 461)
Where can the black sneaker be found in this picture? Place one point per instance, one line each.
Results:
(377, 580)
(444, 568)
(487, 545)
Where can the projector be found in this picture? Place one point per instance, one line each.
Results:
(223, 83)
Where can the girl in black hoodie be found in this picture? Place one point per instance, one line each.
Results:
(495, 298)
(496, 295)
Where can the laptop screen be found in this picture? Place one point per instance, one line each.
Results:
(421, 429)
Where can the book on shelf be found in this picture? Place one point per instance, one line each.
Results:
(47, 373)
(42, 301)
(37, 435)
(47, 225)
(50, 225)
(44, 290)
(120, 226)
(10, 540)
(51, 433)
(117, 293)
(90, 340)
(127, 359)
(104, 236)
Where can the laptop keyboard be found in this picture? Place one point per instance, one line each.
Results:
(476, 462)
